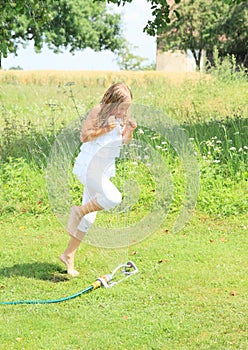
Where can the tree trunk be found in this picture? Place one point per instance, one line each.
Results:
(197, 57)
(209, 59)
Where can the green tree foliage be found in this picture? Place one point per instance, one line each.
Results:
(161, 10)
(205, 24)
(73, 24)
(127, 60)
(234, 32)
(196, 27)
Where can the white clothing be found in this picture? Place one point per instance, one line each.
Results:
(105, 193)
(103, 150)
(94, 166)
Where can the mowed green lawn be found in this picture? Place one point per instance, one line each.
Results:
(191, 291)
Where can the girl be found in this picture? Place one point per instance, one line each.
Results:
(107, 126)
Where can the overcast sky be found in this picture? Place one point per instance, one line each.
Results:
(134, 18)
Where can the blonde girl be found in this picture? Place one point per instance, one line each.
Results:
(106, 128)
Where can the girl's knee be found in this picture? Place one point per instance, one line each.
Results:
(113, 200)
(110, 200)
(117, 199)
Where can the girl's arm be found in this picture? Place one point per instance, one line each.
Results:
(90, 130)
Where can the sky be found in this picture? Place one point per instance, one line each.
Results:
(134, 18)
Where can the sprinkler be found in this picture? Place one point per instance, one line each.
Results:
(127, 270)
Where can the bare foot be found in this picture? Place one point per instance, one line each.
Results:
(74, 220)
(69, 263)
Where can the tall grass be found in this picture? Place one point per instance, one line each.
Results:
(36, 106)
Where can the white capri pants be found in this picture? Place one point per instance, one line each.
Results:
(97, 185)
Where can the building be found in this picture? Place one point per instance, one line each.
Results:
(176, 61)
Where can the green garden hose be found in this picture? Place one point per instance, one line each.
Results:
(129, 269)
(52, 301)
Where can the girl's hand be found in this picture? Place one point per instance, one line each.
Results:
(131, 124)
(127, 133)
(111, 124)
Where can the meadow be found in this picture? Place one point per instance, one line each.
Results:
(191, 290)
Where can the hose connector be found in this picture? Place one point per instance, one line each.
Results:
(102, 281)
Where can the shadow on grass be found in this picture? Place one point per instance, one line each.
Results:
(38, 270)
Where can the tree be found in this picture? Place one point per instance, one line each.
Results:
(234, 33)
(73, 24)
(196, 29)
(161, 10)
(199, 25)
(205, 24)
(126, 60)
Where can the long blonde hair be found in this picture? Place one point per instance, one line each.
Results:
(113, 97)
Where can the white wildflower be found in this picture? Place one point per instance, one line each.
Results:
(209, 143)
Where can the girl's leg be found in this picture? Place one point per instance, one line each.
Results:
(87, 220)
(77, 234)
(103, 196)
(78, 212)
(68, 256)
